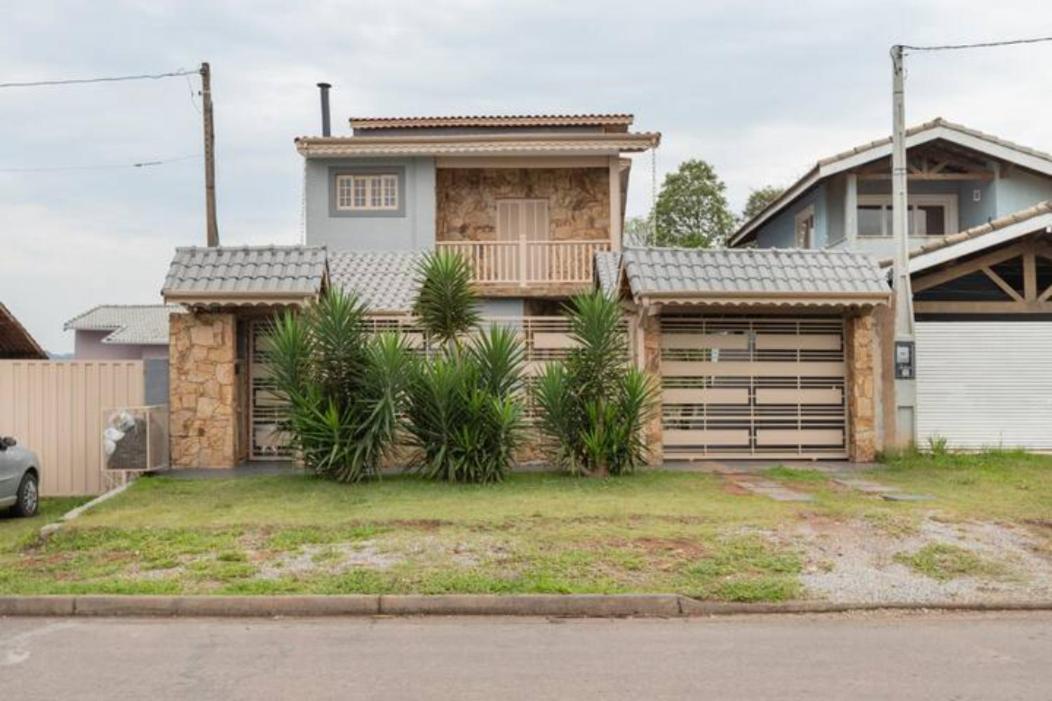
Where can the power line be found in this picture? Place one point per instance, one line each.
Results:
(109, 166)
(981, 45)
(108, 79)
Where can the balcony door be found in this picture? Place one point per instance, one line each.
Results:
(523, 230)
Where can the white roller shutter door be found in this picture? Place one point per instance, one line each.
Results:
(985, 384)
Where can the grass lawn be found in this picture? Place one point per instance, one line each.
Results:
(652, 532)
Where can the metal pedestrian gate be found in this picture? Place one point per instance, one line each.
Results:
(740, 387)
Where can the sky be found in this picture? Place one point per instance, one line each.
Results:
(761, 90)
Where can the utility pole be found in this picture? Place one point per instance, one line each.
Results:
(904, 358)
(212, 228)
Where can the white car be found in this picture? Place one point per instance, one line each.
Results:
(19, 478)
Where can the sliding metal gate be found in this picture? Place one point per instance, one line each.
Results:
(266, 409)
(736, 387)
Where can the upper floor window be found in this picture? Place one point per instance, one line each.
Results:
(929, 215)
(367, 192)
(805, 227)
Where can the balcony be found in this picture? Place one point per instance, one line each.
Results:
(542, 266)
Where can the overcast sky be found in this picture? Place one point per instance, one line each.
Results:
(759, 89)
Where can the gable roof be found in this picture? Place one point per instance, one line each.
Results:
(776, 276)
(385, 281)
(495, 120)
(15, 341)
(246, 275)
(131, 324)
(978, 238)
(937, 128)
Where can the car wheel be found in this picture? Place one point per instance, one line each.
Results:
(28, 496)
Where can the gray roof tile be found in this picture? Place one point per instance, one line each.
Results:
(133, 324)
(385, 281)
(775, 271)
(607, 268)
(293, 271)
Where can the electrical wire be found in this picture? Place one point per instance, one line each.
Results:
(109, 79)
(981, 45)
(109, 166)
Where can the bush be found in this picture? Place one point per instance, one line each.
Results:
(465, 412)
(345, 388)
(594, 406)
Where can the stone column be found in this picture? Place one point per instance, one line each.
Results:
(203, 390)
(861, 391)
(650, 363)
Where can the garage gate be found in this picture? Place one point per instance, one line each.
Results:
(738, 387)
(985, 384)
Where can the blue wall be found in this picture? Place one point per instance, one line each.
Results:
(780, 231)
(1021, 189)
(412, 230)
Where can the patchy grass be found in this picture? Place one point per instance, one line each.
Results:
(17, 533)
(944, 562)
(652, 532)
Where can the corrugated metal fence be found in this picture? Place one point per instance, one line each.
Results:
(56, 408)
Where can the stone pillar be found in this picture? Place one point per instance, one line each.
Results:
(861, 391)
(650, 363)
(203, 390)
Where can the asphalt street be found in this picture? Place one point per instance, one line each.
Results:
(856, 656)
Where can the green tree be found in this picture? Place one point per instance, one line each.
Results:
(759, 199)
(692, 208)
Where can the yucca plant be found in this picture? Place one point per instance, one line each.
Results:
(594, 406)
(446, 304)
(465, 412)
(344, 387)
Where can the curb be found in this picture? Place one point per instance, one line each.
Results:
(543, 605)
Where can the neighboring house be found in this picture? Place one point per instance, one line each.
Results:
(959, 178)
(16, 343)
(981, 265)
(122, 331)
(528, 200)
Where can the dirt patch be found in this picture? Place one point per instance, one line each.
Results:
(331, 558)
(855, 562)
(683, 548)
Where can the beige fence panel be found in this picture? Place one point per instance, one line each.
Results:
(55, 408)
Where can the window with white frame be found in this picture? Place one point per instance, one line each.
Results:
(367, 192)
(805, 227)
(929, 215)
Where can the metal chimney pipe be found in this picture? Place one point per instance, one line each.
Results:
(326, 124)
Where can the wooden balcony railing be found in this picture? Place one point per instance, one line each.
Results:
(529, 262)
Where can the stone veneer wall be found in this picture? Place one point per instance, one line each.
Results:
(862, 405)
(578, 200)
(650, 330)
(203, 390)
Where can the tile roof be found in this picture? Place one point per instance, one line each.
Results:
(607, 267)
(133, 324)
(486, 144)
(385, 281)
(742, 272)
(983, 229)
(245, 272)
(15, 341)
(493, 120)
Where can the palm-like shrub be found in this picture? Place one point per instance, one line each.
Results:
(465, 411)
(344, 387)
(593, 405)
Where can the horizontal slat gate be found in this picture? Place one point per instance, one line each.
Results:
(985, 384)
(737, 387)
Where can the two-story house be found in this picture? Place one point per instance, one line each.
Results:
(528, 200)
(980, 263)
